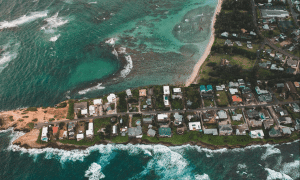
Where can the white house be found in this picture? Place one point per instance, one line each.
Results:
(97, 101)
(91, 110)
(225, 34)
(161, 117)
(84, 111)
(90, 131)
(128, 92)
(79, 137)
(233, 90)
(44, 134)
(177, 90)
(111, 98)
(166, 90)
(194, 126)
(257, 134)
(166, 100)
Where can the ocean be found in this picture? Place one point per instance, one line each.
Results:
(148, 162)
(59, 49)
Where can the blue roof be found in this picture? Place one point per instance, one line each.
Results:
(209, 87)
(163, 131)
(202, 88)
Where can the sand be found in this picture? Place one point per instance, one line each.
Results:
(195, 72)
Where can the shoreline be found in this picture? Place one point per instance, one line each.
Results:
(197, 66)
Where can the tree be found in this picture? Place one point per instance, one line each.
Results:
(108, 130)
(61, 125)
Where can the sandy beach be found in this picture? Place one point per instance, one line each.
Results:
(195, 72)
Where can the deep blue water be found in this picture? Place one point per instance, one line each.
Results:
(148, 162)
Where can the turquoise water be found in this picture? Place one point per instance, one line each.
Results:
(149, 162)
(54, 50)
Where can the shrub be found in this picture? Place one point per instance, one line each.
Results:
(31, 109)
(71, 110)
(11, 118)
(21, 120)
(31, 125)
(35, 120)
(52, 119)
(62, 105)
(25, 116)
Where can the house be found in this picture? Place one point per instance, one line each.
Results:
(252, 114)
(98, 101)
(142, 92)
(266, 27)
(151, 133)
(228, 43)
(166, 90)
(280, 110)
(284, 120)
(297, 126)
(208, 115)
(236, 99)
(249, 46)
(55, 130)
(79, 137)
(252, 33)
(280, 85)
(222, 114)
(249, 97)
(234, 35)
(111, 98)
(260, 91)
(209, 88)
(237, 117)
(267, 124)
(246, 90)
(177, 93)
(91, 110)
(80, 106)
(257, 134)
(128, 92)
(238, 43)
(233, 85)
(286, 131)
(135, 132)
(207, 96)
(241, 82)
(195, 126)
(202, 88)
(265, 98)
(166, 100)
(211, 131)
(233, 91)
(219, 88)
(274, 132)
(44, 136)
(296, 32)
(178, 118)
(148, 120)
(225, 129)
(115, 130)
(292, 63)
(84, 111)
(295, 107)
(269, 51)
(148, 102)
(275, 12)
(71, 126)
(240, 132)
(165, 132)
(162, 117)
(225, 34)
(90, 131)
(297, 84)
(63, 134)
(224, 62)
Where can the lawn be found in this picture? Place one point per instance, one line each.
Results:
(296, 52)
(176, 103)
(100, 123)
(120, 139)
(222, 99)
(208, 103)
(236, 123)
(210, 125)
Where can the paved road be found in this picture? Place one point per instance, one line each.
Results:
(39, 125)
(266, 41)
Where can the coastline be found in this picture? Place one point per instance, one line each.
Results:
(196, 69)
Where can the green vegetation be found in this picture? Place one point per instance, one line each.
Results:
(222, 99)
(292, 113)
(176, 103)
(211, 125)
(51, 119)
(35, 120)
(31, 109)
(208, 103)
(100, 123)
(122, 105)
(21, 120)
(31, 125)
(236, 123)
(25, 116)
(62, 105)
(71, 110)
(192, 93)
(120, 139)
(11, 118)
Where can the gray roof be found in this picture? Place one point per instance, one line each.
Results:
(148, 120)
(274, 132)
(211, 131)
(226, 127)
(286, 130)
(135, 131)
(252, 114)
(81, 105)
(279, 85)
(222, 114)
(178, 117)
(151, 132)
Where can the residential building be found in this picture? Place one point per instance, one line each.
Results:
(292, 63)
(79, 137)
(274, 132)
(295, 107)
(225, 129)
(257, 134)
(162, 117)
(90, 131)
(208, 115)
(225, 34)
(238, 43)
(271, 13)
(233, 91)
(54, 130)
(280, 85)
(222, 114)
(80, 106)
(241, 83)
(165, 132)
(91, 110)
(128, 92)
(266, 27)
(115, 130)
(228, 42)
(142, 92)
(166, 100)
(166, 90)
(135, 132)
(178, 118)
(252, 33)
(236, 99)
(151, 133)
(297, 84)
(260, 91)
(111, 98)
(240, 131)
(44, 136)
(252, 114)
(195, 126)
(148, 119)
(209, 88)
(237, 117)
(211, 131)
(202, 88)
(284, 120)
(286, 131)
(233, 85)
(98, 101)
(297, 126)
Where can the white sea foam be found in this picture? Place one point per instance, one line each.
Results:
(128, 67)
(202, 177)
(276, 175)
(114, 52)
(92, 2)
(242, 166)
(53, 23)
(292, 169)
(7, 130)
(22, 20)
(270, 151)
(94, 172)
(122, 50)
(54, 38)
(91, 89)
(10, 53)
(111, 41)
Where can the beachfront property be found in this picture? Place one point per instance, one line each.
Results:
(240, 131)
(90, 131)
(142, 92)
(80, 108)
(211, 131)
(177, 93)
(151, 132)
(44, 136)
(178, 118)
(166, 90)
(135, 132)
(257, 134)
(279, 12)
(128, 93)
(225, 129)
(195, 126)
(111, 98)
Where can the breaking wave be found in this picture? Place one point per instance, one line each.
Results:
(270, 151)
(22, 20)
(128, 67)
(54, 38)
(91, 89)
(10, 53)
(94, 172)
(274, 175)
(53, 23)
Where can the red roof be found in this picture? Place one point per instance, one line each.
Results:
(236, 99)
(55, 129)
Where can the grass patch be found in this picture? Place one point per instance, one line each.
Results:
(31, 125)
(71, 110)
(236, 123)
(120, 139)
(208, 103)
(11, 118)
(100, 123)
(31, 109)
(21, 120)
(222, 99)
